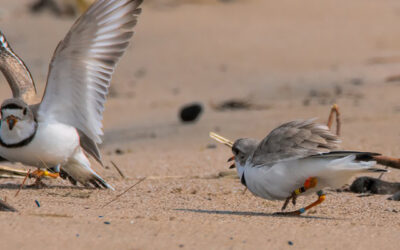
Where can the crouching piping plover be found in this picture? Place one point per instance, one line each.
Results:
(67, 122)
(295, 158)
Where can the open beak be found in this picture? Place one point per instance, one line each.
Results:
(11, 121)
(231, 159)
(224, 141)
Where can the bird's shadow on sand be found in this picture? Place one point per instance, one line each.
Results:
(245, 213)
(14, 186)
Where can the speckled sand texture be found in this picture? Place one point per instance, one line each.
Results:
(294, 57)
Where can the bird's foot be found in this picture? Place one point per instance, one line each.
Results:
(38, 184)
(39, 174)
(321, 198)
(43, 173)
(292, 198)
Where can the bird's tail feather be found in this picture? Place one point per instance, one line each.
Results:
(351, 162)
(377, 170)
(78, 170)
(78, 173)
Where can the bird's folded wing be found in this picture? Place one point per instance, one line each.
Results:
(82, 65)
(294, 140)
(359, 156)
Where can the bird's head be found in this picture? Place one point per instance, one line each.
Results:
(17, 121)
(242, 149)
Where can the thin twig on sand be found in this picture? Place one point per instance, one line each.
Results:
(23, 182)
(118, 170)
(116, 198)
(380, 159)
(10, 172)
(387, 161)
(334, 110)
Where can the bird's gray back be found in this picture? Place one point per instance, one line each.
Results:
(294, 140)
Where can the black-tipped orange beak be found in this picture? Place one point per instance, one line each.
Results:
(231, 159)
(11, 121)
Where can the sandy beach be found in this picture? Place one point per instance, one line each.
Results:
(292, 58)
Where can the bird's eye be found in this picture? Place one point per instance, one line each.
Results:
(235, 151)
(24, 112)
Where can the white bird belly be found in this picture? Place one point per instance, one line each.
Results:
(268, 183)
(280, 180)
(53, 144)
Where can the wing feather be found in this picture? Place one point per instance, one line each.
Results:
(293, 140)
(83, 63)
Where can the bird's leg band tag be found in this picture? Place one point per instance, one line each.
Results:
(311, 182)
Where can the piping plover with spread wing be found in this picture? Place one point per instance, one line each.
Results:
(67, 122)
(296, 158)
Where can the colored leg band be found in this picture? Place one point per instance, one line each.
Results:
(300, 190)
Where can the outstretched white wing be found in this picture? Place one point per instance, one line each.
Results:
(83, 63)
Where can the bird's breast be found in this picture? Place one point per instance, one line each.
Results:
(272, 183)
(53, 144)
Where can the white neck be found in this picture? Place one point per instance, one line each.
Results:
(239, 169)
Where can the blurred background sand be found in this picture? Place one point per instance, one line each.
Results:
(293, 58)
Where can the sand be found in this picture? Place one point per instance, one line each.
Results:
(295, 58)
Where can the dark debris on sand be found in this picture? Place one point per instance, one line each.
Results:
(376, 186)
(6, 207)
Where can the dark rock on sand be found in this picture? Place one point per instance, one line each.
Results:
(190, 112)
(374, 186)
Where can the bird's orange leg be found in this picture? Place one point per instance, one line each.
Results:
(43, 173)
(321, 198)
(39, 174)
(311, 182)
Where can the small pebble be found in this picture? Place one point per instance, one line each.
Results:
(37, 203)
(119, 151)
(181, 245)
(290, 243)
(101, 216)
(107, 222)
(190, 112)
(77, 235)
